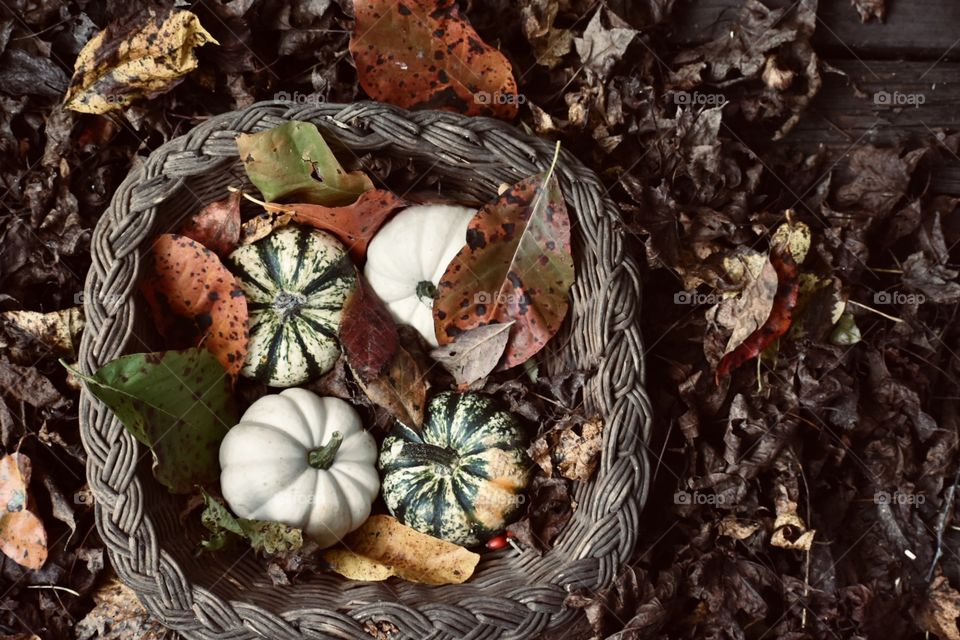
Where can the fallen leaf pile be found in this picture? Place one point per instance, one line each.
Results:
(809, 495)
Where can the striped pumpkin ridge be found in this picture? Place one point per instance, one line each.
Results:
(296, 281)
(462, 479)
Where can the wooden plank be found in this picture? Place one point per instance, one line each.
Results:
(841, 117)
(915, 29)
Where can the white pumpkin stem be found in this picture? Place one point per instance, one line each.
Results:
(322, 457)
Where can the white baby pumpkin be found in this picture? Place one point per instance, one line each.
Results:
(303, 460)
(409, 255)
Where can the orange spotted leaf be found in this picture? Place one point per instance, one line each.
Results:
(354, 224)
(515, 267)
(424, 54)
(195, 300)
(23, 538)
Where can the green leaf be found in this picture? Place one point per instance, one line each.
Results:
(178, 403)
(293, 162)
(272, 537)
(846, 332)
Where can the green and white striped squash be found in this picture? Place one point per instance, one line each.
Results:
(296, 280)
(462, 479)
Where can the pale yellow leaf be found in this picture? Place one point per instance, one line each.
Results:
(133, 58)
(382, 547)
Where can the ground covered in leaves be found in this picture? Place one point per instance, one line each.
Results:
(810, 494)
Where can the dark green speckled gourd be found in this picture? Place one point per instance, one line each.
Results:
(463, 478)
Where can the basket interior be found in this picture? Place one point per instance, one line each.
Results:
(242, 578)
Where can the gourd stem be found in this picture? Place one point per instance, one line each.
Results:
(426, 290)
(322, 457)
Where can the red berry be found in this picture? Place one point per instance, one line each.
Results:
(497, 542)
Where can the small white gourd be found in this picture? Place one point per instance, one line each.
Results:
(302, 460)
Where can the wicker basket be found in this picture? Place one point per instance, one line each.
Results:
(511, 595)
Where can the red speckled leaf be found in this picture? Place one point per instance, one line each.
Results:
(354, 224)
(23, 538)
(424, 54)
(217, 225)
(516, 266)
(367, 333)
(194, 300)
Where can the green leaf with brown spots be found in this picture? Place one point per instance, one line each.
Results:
(143, 55)
(293, 162)
(271, 537)
(423, 54)
(195, 300)
(516, 267)
(177, 403)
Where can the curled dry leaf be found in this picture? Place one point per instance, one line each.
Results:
(217, 225)
(59, 330)
(294, 162)
(23, 538)
(382, 547)
(269, 537)
(549, 509)
(475, 353)
(578, 454)
(188, 280)
(368, 335)
(424, 54)
(401, 389)
(778, 321)
(516, 266)
(143, 55)
(178, 403)
(119, 615)
(388, 373)
(789, 530)
(354, 224)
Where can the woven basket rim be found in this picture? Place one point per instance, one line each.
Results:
(604, 334)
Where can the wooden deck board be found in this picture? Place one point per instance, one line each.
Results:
(913, 58)
(912, 29)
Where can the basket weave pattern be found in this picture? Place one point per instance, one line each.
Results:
(511, 595)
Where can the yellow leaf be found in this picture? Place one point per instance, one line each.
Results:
(139, 57)
(796, 236)
(382, 547)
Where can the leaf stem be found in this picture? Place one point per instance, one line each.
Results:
(876, 311)
(322, 457)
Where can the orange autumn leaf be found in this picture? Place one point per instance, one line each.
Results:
(23, 538)
(354, 224)
(194, 299)
(424, 54)
(516, 267)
